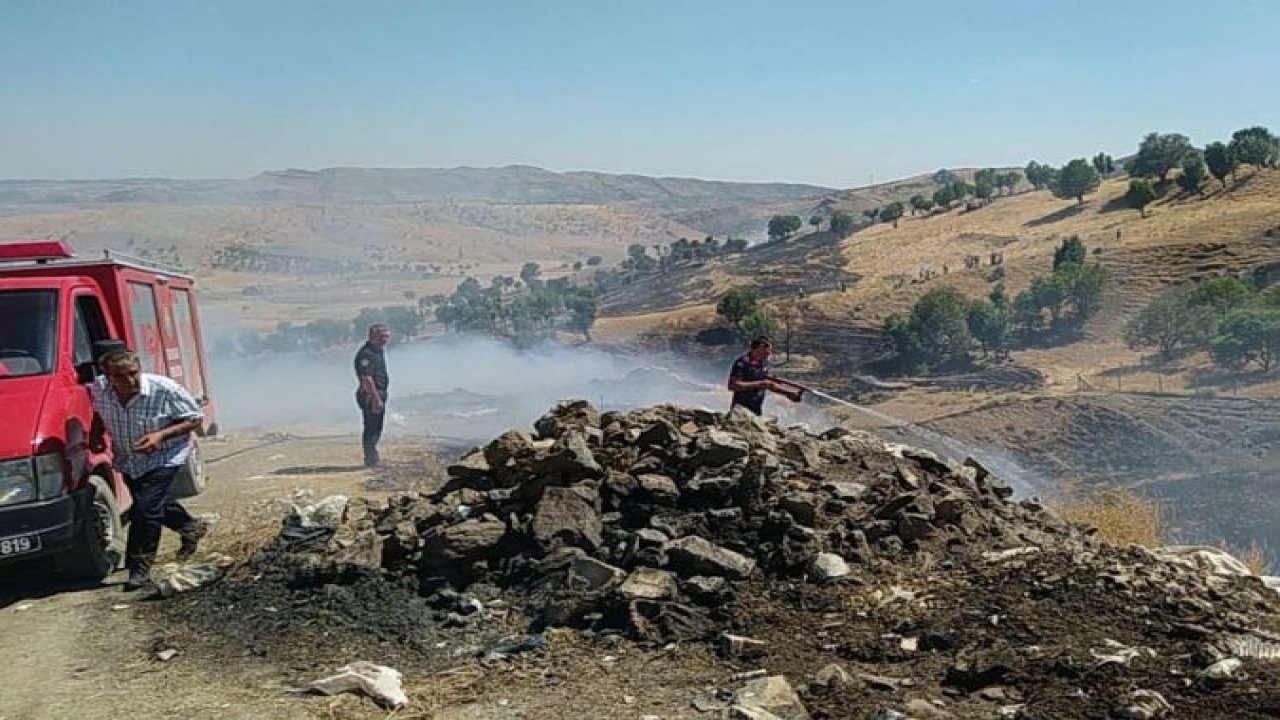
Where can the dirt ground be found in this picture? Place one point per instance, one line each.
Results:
(91, 653)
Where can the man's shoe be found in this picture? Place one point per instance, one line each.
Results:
(136, 582)
(191, 538)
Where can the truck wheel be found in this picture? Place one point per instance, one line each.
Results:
(99, 544)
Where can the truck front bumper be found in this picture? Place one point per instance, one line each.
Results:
(50, 524)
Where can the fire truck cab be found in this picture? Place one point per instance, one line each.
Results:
(60, 499)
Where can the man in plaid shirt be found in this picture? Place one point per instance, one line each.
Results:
(150, 419)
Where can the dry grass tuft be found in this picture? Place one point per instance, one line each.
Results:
(1255, 556)
(1121, 517)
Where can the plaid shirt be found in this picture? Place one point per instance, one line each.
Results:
(159, 403)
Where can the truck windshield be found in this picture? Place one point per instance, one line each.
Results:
(28, 332)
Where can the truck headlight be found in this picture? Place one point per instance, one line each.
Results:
(49, 475)
(17, 482)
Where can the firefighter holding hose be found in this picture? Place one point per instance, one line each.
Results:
(751, 378)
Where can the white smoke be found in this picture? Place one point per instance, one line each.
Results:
(464, 387)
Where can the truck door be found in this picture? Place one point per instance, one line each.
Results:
(88, 325)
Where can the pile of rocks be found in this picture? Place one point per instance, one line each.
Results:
(648, 519)
(882, 580)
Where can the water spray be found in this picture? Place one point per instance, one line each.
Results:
(1018, 477)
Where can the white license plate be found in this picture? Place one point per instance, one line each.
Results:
(19, 545)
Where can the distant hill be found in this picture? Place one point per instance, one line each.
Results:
(750, 219)
(486, 215)
(515, 184)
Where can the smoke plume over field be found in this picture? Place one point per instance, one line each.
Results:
(462, 387)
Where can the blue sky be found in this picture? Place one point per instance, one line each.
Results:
(832, 93)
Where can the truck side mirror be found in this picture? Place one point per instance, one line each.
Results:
(85, 373)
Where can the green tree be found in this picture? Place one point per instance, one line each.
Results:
(987, 175)
(404, 321)
(892, 212)
(1076, 179)
(1009, 180)
(1170, 322)
(1193, 175)
(1084, 286)
(999, 296)
(1027, 312)
(529, 271)
(594, 260)
(1048, 293)
(735, 245)
(736, 304)
(1160, 153)
(782, 227)
(1222, 294)
(757, 323)
(903, 340)
(919, 203)
(871, 214)
(1040, 176)
(943, 197)
(939, 320)
(1255, 146)
(1104, 164)
(1071, 251)
(984, 189)
(989, 325)
(582, 309)
(841, 223)
(1221, 161)
(944, 177)
(1140, 195)
(327, 332)
(1249, 334)
(638, 258)
(816, 222)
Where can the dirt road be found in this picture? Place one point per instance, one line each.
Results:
(91, 652)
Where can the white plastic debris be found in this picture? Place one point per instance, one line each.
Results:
(1223, 669)
(1271, 582)
(1144, 705)
(1115, 653)
(379, 682)
(1209, 559)
(174, 578)
(166, 655)
(23, 607)
(1249, 646)
(306, 513)
(1001, 555)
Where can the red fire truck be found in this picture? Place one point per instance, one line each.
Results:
(59, 498)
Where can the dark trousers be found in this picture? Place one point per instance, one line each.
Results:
(152, 510)
(372, 426)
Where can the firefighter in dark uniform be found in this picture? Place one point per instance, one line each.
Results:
(750, 378)
(371, 396)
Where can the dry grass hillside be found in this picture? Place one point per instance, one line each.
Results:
(449, 233)
(395, 252)
(1181, 238)
(1088, 414)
